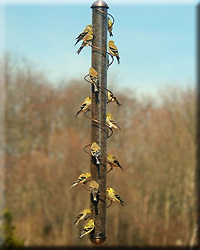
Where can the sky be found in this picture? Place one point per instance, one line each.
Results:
(156, 41)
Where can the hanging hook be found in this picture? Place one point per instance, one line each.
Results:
(85, 113)
(108, 59)
(90, 118)
(110, 204)
(85, 78)
(95, 47)
(87, 147)
(109, 170)
(113, 19)
(108, 136)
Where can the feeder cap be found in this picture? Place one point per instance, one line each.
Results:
(99, 3)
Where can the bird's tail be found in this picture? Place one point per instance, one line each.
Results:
(77, 113)
(118, 59)
(118, 103)
(73, 185)
(76, 223)
(82, 46)
(76, 41)
(118, 126)
(97, 161)
(94, 197)
(84, 232)
(121, 167)
(118, 165)
(121, 201)
(95, 88)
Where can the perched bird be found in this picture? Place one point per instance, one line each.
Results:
(113, 196)
(110, 122)
(88, 228)
(81, 36)
(94, 78)
(95, 152)
(83, 178)
(111, 159)
(86, 41)
(94, 189)
(85, 106)
(112, 98)
(113, 50)
(83, 215)
(110, 26)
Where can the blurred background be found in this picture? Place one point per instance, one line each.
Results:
(43, 90)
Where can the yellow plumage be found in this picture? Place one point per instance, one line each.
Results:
(82, 179)
(81, 36)
(95, 152)
(94, 78)
(83, 215)
(88, 228)
(111, 159)
(112, 98)
(113, 196)
(112, 48)
(87, 39)
(94, 189)
(110, 27)
(85, 106)
(111, 122)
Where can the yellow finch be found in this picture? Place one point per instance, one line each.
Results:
(85, 106)
(113, 50)
(83, 178)
(94, 189)
(110, 27)
(83, 215)
(113, 196)
(81, 36)
(112, 98)
(110, 122)
(94, 78)
(86, 40)
(88, 228)
(111, 159)
(95, 152)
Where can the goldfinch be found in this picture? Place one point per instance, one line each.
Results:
(94, 78)
(111, 159)
(83, 215)
(85, 106)
(94, 189)
(81, 36)
(88, 228)
(82, 179)
(112, 98)
(110, 122)
(87, 39)
(113, 50)
(95, 152)
(110, 26)
(113, 196)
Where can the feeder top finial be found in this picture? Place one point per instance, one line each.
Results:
(99, 3)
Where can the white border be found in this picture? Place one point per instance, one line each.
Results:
(109, 2)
